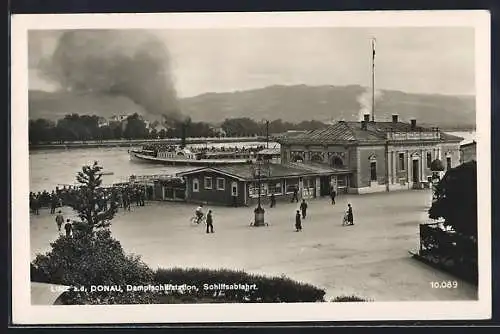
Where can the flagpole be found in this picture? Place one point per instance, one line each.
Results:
(373, 79)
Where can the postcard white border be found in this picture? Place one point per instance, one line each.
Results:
(25, 313)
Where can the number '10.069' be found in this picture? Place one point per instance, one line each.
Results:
(444, 285)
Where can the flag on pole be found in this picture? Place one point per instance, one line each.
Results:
(373, 47)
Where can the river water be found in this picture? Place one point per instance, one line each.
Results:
(50, 168)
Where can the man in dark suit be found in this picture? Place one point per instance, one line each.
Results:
(210, 225)
(350, 216)
(303, 208)
(298, 222)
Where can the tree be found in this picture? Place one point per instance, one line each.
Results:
(456, 199)
(241, 127)
(106, 132)
(135, 128)
(41, 130)
(93, 216)
(310, 125)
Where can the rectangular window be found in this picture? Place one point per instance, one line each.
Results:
(291, 186)
(448, 163)
(254, 189)
(196, 185)
(429, 159)
(208, 182)
(275, 188)
(221, 183)
(401, 157)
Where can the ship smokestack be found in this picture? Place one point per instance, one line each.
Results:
(413, 123)
(183, 134)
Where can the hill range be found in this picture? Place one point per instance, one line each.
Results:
(289, 103)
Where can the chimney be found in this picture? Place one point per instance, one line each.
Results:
(366, 118)
(394, 118)
(413, 123)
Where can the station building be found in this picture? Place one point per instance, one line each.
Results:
(238, 185)
(468, 152)
(380, 156)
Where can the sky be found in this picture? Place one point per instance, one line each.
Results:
(415, 60)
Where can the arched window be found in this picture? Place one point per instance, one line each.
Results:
(373, 167)
(337, 162)
(234, 189)
(316, 158)
(196, 185)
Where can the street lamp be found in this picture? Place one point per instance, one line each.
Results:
(259, 210)
(267, 134)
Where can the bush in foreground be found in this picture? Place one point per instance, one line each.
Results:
(260, 288)
(351, 298)
(96, 259)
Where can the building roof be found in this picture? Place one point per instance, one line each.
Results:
(272, 170)
(346, 132)
(472, 143)
(270, 151)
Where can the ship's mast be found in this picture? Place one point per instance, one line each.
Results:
(373, 78)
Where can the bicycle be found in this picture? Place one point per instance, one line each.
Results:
(198, 221)
(345, 219)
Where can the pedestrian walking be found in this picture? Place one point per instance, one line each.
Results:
(333, 194)
(350, 216)
(68, 227)
(303, 208)
(53, 204)
(295, 197)
(142, 197)
(59, 220)
(36, 205)
(210, 225)
(273, 201)
(298, 222)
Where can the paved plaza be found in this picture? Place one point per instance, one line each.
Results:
(369, 259)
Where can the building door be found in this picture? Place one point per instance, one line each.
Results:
(415, 171)
(324, 186)
(373, 171)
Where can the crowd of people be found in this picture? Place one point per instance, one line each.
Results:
(123, 195)
(203, 149)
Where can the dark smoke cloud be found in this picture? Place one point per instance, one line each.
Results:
(135, 64)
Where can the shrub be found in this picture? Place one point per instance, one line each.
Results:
(349, 299)
(269, 289)
(92, 260)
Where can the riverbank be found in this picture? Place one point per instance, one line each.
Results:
(140, 142)
(369, 259)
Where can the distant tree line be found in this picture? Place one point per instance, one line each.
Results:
(76, 127)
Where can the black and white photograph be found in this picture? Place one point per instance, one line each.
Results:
(251, 167)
